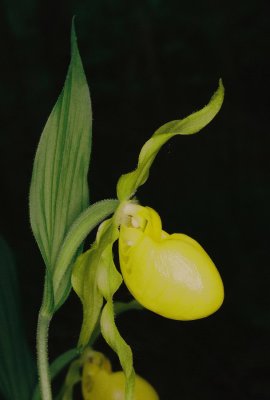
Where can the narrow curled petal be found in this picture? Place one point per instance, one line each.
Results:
(171, 275)
(130, 182)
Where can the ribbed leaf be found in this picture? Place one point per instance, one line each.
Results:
(17, 370)
(59, 189)
(129, 183)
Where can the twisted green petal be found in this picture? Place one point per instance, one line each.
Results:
(129, 183)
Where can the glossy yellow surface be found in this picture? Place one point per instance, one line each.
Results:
(170, 275)
(99, 383)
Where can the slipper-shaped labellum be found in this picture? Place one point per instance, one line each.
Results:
(100, 383)
(170, 275)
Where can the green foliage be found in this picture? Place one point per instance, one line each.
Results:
(17, 369)
(59, 188)
(129, 183)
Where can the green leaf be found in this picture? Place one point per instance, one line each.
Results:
(129, 183)
(17, 369)
(59, 188)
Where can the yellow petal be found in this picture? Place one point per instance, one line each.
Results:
(171, 275)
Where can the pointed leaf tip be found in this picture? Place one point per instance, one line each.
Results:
(73, 35)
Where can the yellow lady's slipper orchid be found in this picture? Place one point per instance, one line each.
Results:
(100, 383)
(171, 275)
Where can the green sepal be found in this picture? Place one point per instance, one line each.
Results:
(81, 227)
(59, 188)
(95, 277)
(87, 278)
(85, 285)
(129, 183)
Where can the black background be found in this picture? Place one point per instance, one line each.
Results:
(148, 62)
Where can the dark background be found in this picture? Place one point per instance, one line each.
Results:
(149, 62)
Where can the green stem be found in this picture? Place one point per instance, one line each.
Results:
(44, 319)
(56, 366)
